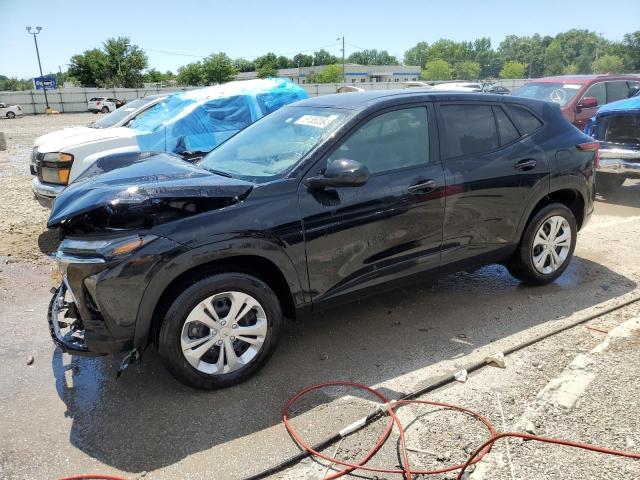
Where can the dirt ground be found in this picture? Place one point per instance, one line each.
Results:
(62, 416)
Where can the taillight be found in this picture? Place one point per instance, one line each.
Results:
(591, 147)
(97, 103)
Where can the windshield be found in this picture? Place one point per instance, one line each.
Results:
(560, 93)
(121, 113)
(270, 147)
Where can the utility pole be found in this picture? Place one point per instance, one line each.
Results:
(344, 78)
(35, 40)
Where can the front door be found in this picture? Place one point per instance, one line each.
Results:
(387, 229)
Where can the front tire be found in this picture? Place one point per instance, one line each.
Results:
(11, 115)
(546, 247)
(220, 331)
(608, 182)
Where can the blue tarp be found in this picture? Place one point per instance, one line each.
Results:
(199, 120)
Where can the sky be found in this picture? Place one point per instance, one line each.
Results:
(174, 33)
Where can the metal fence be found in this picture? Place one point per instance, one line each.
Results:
(67, 100)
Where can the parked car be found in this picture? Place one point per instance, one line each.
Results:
(617, 127)
(104, 104)
(458, 87)
(187, 123)
(10, 111)
(579, 96)
(322, 202)
(119, 118)
(496, 89)
(416, 84)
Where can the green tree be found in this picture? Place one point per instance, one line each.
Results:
(513, 70)
(571, 69)
(578, 47)
(437, 70)
(608, 64)
(322, 57)
(417, 55)
(191, 75)
(269, 58)
(631, 50)
(218, 68)
(89, 68)
(329, 74)
(451, 51)
(467, 70)
(267, 70)
(372, 57)
(302, 60)
(125, 63)
(284, 62)
(527, 50)
(244, 65)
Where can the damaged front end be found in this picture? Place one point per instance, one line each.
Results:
(617, 128)
(111, 247)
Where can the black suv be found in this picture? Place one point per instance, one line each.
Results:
(324, 201)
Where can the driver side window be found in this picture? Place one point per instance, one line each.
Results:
(598, 91)
(389, 141)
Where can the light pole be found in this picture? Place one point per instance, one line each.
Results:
(35, 40)
(344, 78)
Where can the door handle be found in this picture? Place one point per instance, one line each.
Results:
(525, 165)
(423, 186)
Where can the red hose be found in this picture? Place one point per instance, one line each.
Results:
(93, 477)
(406, 470)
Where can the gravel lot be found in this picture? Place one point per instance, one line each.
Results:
(63, 416)
(23, 221)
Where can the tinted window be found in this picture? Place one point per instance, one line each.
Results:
(617, 91)
(598, 91)
(526, 121)
(507, 130)
(468, 129)
(389, 141)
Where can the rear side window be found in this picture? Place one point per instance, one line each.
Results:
(468, 129)
(617, 91)
(526, 121)
(507, 130)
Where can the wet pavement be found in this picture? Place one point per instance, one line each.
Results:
(64, 415)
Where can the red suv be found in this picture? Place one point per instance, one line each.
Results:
(579, 96)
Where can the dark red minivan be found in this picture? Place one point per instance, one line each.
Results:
(579, 96)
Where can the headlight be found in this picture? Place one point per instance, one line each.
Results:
(56, 167)
(108, 249)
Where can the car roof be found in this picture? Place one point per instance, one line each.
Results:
(584, 78)
(364, 100)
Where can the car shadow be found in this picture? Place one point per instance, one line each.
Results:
(146, 420)
(627, 195)
(49, 240)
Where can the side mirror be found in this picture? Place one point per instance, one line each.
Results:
(341, 173)
(588, 102)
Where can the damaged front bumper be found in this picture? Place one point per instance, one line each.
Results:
(65, 326)
(620, 161)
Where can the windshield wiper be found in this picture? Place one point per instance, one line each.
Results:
(219, 172)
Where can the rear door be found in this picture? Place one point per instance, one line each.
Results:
(387, 229)
(491, 168)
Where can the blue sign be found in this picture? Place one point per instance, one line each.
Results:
(42, 83)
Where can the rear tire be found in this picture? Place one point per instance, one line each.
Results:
(546, 247)
(11, 115)
(105, 110)
(216, 297)
(608, 182)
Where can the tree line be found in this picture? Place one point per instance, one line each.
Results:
(119, 63)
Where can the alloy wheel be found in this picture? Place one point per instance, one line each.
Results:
(223, 333)
(551, 244)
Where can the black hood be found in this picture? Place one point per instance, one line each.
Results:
(138, 182)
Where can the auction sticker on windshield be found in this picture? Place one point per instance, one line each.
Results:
(571, 86)
(318, 121)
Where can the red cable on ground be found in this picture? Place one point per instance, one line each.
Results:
(93, 477)
(406, 470)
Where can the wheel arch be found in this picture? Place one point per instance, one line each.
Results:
(275, 269)
(570, 197)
